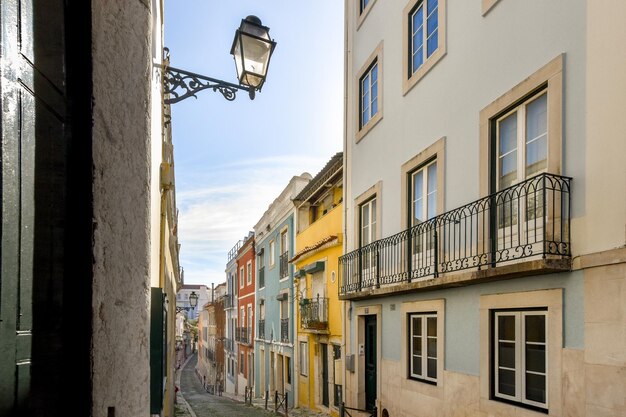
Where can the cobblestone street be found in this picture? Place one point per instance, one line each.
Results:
(194, 401)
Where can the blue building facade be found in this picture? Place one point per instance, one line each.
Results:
(275, 329)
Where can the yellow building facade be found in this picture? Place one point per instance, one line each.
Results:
(319, 241)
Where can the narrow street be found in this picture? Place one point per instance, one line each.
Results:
(207, 405)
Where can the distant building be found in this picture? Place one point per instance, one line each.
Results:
(317, 309)
(275, 245)
(182, 299)
(244, 334)
(231, 348)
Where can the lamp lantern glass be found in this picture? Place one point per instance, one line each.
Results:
(252, 49)
(193, 299)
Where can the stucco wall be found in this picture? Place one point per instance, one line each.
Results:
(122, 40)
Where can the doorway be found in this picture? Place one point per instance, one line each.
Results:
(324, 359)
(370, 361)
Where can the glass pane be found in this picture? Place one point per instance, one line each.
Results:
(374, 72)
(374, 91)
(432, 368)
(508, 134)
(508, 170)
(535, 328)
(506, 354)
(536, 118)
(431, 5)
(506, 382)
(432, 205)
(374, 106)
(418, 19)
(536, 155)
(506, 328)
(536, 358)
(432, 178)
(418, 59)
(431, 347)
(536, 388)
(417, 345)
(432, 43)
(373, 231)
(432, 22)
(432, 326)
(417, 326)
(417, 365)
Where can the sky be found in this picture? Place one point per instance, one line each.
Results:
(232, 159)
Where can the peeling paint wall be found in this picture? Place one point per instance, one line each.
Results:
(122, 40)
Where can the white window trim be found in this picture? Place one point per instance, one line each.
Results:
(249, 273)
(411, 79)
(436, 307)
(424, 322)
(550, 299)
(520, 357)
(242, 277)
(376, 56)
(362, 14)
(304, 358)
(272, 252)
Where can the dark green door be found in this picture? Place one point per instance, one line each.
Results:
(18, 205)
(370, 362)
(324, 358)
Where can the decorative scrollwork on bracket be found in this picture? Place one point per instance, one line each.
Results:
(180, 84)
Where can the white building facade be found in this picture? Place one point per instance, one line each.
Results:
(485, 261)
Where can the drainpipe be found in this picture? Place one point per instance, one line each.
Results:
(346, 190)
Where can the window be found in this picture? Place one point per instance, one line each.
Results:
(424, 24)
(288, 369)
(424, 193)
(369, 94)
(423, 346)
(283, 242)
(521, 350)
(249, 319)
(520, 357)
(241, 277)
(272, 253)
(424, 38)
(241, 362)
(367, 222)
(369, 102)
(363, 5)
(304, 359)
(521, 132)
(249, 279)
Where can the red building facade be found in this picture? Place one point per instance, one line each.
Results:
(244, 334)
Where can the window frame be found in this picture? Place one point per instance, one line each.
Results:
(242, 277)
(272, 251)
(548, 78)
(410, 76)
(520, 357)
(304, 358)
(550, 300)
(376, 58)
(423, 316)
(374, 191)
(362, 12)
(436, 307)
(249, 273)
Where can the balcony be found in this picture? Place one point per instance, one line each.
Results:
(229, 345)
(262, 277)
(522, 230)
(229, 301)
(314, 313)
(284, 265)
(261, 329)
(243, 335)
(284, 330)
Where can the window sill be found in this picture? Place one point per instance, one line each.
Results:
(369, 126)
(410, 82)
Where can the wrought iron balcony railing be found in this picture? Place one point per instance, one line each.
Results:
(284, 330)
(314, 313)
(229, 301)
(261, 329)
(284, 265)
(243, 334)
(262, 277)
(528, 219)
(229, 345)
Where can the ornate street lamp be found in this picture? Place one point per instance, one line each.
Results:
(193, 302)
(252, 49)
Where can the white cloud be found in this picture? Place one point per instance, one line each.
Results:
(225, 205)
